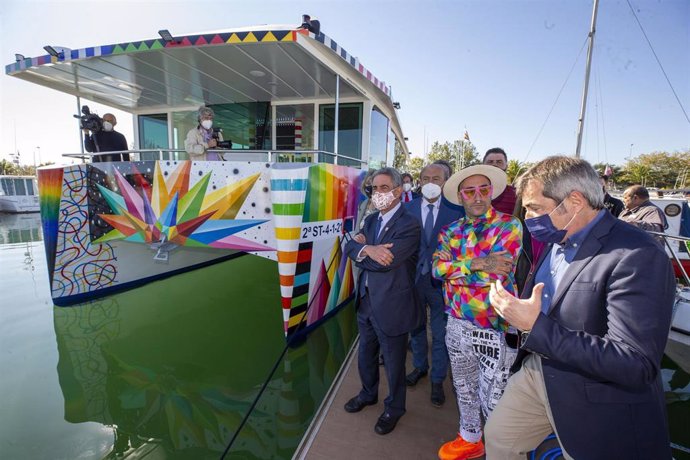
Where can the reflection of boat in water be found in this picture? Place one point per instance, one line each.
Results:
(303, 116)
(18, 194)
(20, 228)
(172, 372)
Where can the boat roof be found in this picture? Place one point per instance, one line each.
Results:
(212, 68)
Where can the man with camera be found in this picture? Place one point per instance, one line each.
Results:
(100, 136)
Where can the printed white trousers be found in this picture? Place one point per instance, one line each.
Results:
(480, 364)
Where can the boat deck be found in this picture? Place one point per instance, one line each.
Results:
(338, 435)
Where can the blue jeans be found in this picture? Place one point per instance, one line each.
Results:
(433, 297)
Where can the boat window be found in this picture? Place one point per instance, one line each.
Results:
(295, 127)
(30, 186)
(349, 132)
(379, 139)
(153, 134)
(7, 186)
(19, 186)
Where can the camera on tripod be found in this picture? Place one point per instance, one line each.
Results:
(89, 120)
(219, 143)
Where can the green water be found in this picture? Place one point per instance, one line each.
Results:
(167, 370)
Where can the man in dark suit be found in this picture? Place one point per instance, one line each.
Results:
(595, 316)
(408, 183)
(432, 214)
(388, 309)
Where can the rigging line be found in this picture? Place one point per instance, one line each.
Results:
(557, 97)
(282, 355)
(658, 62)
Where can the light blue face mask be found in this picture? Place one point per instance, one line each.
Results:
(542, 229)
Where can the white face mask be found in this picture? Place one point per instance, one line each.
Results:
(431, 191)
(107, 126)
(407, 186)
(207, 124)
(382, 200)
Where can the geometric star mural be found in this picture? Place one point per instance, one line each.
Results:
(172, 212)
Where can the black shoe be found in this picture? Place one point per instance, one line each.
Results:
(438, 397)
(355, 404)
(414, 376)
(386, 423)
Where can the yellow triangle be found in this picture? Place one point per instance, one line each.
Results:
(288, 37)
(269, 37)
(227, 198)
(234, 39)
(250, 38)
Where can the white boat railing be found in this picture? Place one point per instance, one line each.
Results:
(270, 156)
(683, 239)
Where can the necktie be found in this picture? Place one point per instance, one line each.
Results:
(429, 223)
(377, 229)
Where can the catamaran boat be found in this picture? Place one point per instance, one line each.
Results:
(304, 120)
(18, 194)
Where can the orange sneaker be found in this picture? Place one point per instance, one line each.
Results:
(459, 449)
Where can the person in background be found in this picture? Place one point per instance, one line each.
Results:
(106, 140)
(366, 207)
(614, 205)
(385, 250)
(595, 319)
(641, 212)
(201, 139)
(407, 194)
(472, 254)
(505, 202)
(432, 215)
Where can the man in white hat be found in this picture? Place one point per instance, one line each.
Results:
(473, 253)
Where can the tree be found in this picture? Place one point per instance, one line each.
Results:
(399, 158)
(658, 169)
(515, 169)
(459, 153)
(414, 166)
(7, 167)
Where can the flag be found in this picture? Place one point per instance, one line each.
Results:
(608, 171)
(467, 136)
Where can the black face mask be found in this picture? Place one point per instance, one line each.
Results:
(368, 189)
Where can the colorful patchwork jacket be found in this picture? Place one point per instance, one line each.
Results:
(466, 293)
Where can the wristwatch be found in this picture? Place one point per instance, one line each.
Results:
(524, 335)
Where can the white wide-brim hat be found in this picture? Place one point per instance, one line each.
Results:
(496, 176)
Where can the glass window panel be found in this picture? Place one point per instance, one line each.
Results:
(19, 186)
(295, 127)
(153, 134)
(379, 140)
(30, 186)
(7, 187)
(349, 132)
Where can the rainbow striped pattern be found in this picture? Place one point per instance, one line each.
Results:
(467, 292)
(313, 193)
(50, 185)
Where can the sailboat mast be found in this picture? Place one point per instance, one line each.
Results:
(583, 108)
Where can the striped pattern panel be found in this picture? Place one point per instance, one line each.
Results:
(288, 191)
(50, 193)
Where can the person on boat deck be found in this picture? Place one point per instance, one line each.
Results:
(408, 195)
(641, 212)
(595, 318)
(201, 139)
(106, 140)
(472, 253)
(505, 202)
(614, 205)
(385, 250)
(432, 214)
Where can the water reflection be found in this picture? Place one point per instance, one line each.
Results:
(177, 375)
(20, 228)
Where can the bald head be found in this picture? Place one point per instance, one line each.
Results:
(634, 196)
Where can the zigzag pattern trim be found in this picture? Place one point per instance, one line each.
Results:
(198, 41)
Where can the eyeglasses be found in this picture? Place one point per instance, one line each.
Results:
(469, 193)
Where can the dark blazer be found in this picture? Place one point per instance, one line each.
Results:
(446, 215)
(394, 301)
(602, 342)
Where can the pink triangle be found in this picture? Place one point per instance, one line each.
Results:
(235, 242)
(135, 205)
(318, 302)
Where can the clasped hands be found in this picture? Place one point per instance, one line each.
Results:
(379, 253)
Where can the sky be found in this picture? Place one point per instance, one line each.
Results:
(509, 72)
